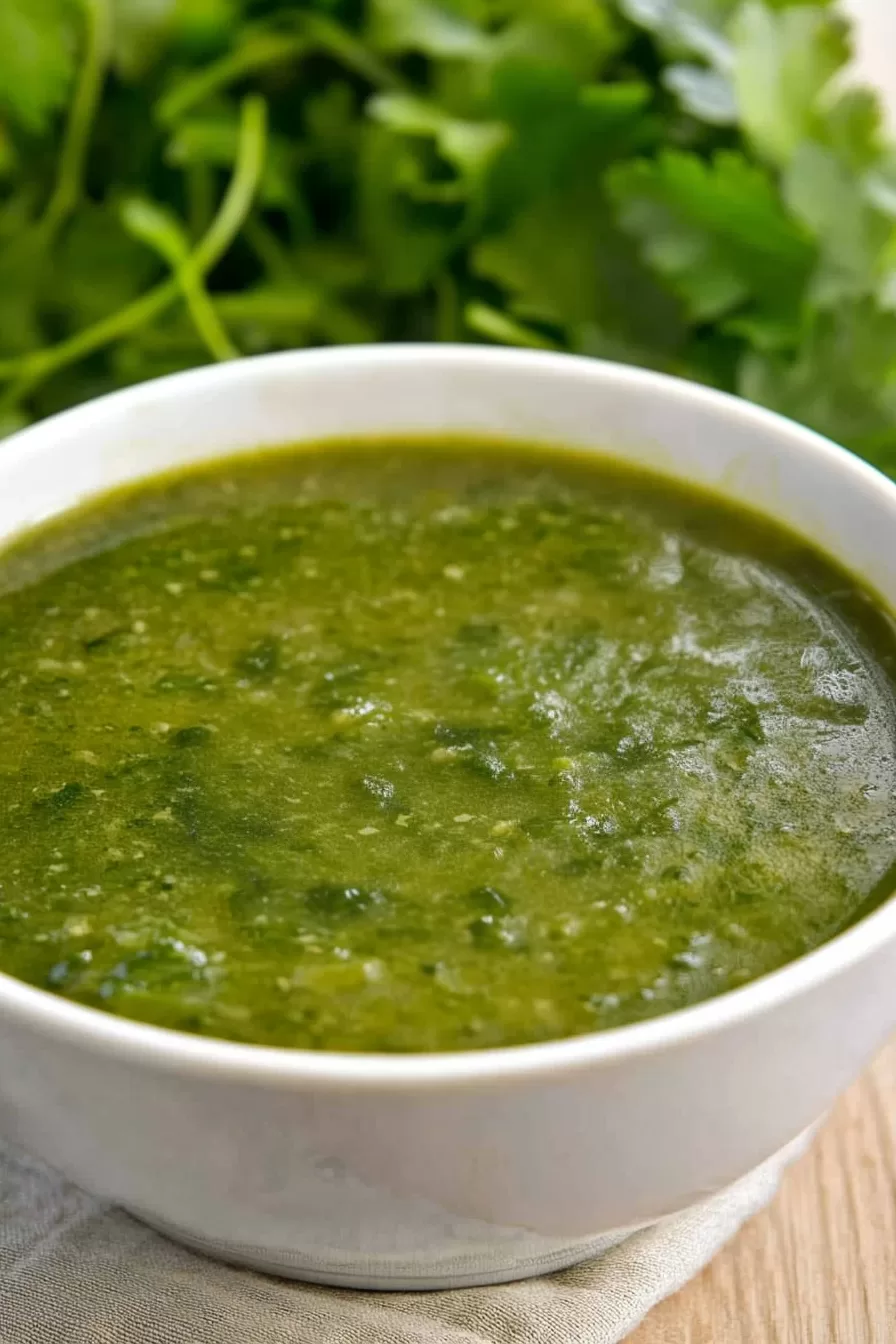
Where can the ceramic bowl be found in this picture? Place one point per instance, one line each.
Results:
(433, 1171)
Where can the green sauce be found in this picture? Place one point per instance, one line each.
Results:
(431, 747)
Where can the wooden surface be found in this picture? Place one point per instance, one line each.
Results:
(819, 1265)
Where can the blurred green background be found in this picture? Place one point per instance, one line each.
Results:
(684, 184)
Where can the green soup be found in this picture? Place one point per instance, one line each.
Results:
(431, 747)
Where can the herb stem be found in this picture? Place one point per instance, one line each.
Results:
(447, 315)
(162, 232)
(258, 51)
(200, 189)
(95, 58)
(205, 319)
(29, 371)
(497, 326)
(339, 43)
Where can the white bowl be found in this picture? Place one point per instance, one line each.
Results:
(432, 1171)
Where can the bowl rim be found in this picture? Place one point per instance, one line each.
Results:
(170, 1050)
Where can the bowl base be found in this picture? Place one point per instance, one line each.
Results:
(379, 1278)
(499, 1264)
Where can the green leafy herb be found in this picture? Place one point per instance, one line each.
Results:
(686, 184)
(37, 59)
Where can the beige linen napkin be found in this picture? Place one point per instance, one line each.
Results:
(75, 1271)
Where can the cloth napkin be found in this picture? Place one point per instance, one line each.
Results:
(74, 1270)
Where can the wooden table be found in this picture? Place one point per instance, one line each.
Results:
(819, 1265)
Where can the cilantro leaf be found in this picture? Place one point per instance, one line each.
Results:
(37, 59)
(407, 241)
(593, 290)
(694, 34)
(470, 146)
(716, 231)
(783, 63)
(841, 382)
(850, 233)
(439, 29)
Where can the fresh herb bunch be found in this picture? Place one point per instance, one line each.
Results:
(684, 184)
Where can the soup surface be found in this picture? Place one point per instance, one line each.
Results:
(430, 746)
